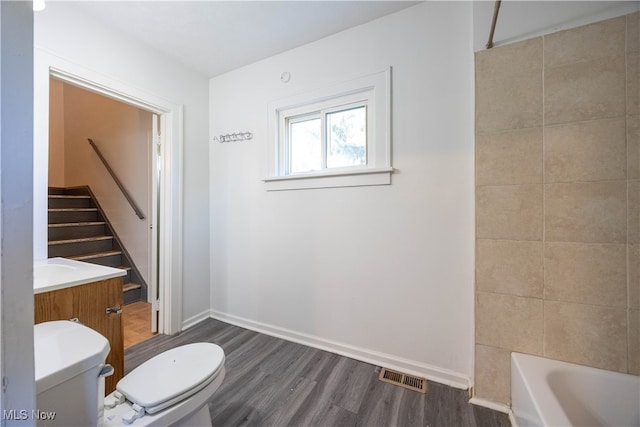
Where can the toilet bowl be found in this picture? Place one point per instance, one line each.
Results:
(168, 388)
(171, 389)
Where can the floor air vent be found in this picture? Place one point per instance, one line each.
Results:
(403, 380)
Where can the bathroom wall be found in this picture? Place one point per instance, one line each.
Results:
(557, 202)
(16, 222)
(123, 135)
(384, 273)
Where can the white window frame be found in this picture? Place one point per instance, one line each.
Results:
(373, 90)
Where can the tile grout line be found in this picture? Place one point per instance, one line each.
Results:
(544, 189)
(626, 135)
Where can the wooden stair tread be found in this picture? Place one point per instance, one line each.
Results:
(73, 209)
(80, 240)
(130, 286)
(68, 196)
(95, 255)
(76, 224)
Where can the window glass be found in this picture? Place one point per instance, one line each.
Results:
(305, 145)
(347, 137)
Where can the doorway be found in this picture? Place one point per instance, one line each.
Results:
(167, 302)
(109, 148)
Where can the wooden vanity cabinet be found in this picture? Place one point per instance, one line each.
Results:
(88, 303)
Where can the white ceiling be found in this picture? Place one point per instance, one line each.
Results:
(213, 37)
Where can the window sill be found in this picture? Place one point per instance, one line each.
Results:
(352, 178)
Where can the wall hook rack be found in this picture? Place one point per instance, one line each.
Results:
(232, 137)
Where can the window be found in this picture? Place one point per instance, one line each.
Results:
(332, 138)
(326, 139)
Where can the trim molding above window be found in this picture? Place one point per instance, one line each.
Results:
(332, 137)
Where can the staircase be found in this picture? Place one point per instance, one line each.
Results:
(78, 230)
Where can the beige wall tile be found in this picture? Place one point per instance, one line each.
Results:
(516, 59)
(591, 217)
(585, 43)
(586, 334)
(509, 267)
(634, 342)
(585, 151)
(509, 322)
(493, 374)
(593, 212)
(633, 33)
(585, 91)
(509, 157)
(634, 276)
(633, 84)
(587, 273)
(511, 103)
(509, 86)
(511, 212)
(633, 211)
(633, 147)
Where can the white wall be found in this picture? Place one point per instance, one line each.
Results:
(382, 273)
(16, 269)
(522, 20)
(61, 32)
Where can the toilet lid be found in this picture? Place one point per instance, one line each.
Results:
(172, 376)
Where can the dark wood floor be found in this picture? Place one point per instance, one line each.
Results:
(273, 382)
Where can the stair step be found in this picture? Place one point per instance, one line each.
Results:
(61, 201)
(73, 209)
(130, 286)
(75, 230)
(68, 196)
(94, 255)
(131, 292)
(80, 240)
(76, 224)
(65, 215)
(127, 270)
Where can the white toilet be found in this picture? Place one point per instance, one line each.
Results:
(171, 389)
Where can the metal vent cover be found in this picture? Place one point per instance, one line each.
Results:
(403, 380)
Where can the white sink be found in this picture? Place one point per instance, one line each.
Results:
(58, 273)
(52, 271)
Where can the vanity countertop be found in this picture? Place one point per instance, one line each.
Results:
(59, 273)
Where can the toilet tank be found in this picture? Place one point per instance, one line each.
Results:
(70, 368)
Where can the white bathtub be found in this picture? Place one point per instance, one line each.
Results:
(547, 392)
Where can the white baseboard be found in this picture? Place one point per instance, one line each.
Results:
(443, 376)
(512, 419)
(194, 320)
(500, 407)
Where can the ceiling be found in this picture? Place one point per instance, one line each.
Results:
(213, 37)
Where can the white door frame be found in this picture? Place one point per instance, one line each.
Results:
(170, 251)
(153, 291)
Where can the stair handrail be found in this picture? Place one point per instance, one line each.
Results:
(117, 180)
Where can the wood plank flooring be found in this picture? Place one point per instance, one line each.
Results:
(273, 382)
(136, 322)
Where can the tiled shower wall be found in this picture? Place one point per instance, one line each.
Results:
(557, 202)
